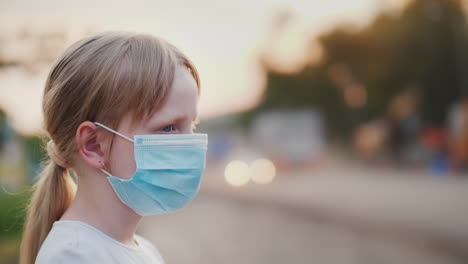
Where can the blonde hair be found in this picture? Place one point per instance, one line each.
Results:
(99, 78)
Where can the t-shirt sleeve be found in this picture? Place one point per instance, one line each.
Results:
(64, 255)
(63, 247)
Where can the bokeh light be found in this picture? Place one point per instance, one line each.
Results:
(262, 171)
(237, 173)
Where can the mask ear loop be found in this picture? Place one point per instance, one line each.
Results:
(103, 170)
(113, 131)
(117, 133)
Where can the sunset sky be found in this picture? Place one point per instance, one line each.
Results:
(223, 38)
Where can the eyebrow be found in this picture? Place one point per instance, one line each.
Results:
(177, 119)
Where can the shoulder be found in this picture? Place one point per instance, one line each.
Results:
(65, 243)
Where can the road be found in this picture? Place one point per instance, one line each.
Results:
(330, 217)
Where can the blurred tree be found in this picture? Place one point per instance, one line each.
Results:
(422, 50)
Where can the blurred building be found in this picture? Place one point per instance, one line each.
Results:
(290, 137)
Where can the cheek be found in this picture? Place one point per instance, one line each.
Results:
(122, 160)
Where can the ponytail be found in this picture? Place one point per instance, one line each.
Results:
(52, 195)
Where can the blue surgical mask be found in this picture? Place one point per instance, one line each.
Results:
(168, 172)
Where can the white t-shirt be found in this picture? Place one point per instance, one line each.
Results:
(75, 242)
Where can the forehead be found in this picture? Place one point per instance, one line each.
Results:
(182, 98)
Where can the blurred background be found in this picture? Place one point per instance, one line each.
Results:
(338, 129)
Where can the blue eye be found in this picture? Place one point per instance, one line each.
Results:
(169, 128)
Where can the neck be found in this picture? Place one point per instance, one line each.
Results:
(97, 204)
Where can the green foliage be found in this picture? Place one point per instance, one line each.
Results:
(13, 208)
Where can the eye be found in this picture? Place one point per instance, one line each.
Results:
(168, 129)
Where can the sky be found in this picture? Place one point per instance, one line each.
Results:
(223, 38)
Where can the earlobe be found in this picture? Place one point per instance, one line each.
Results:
(89, 145)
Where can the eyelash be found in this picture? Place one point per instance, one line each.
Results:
(194, 126)
(173, 126)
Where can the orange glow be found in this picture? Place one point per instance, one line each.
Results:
(223, 44)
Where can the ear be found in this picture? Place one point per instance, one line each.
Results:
(90, 146)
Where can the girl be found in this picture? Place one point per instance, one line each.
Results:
(119, 109)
